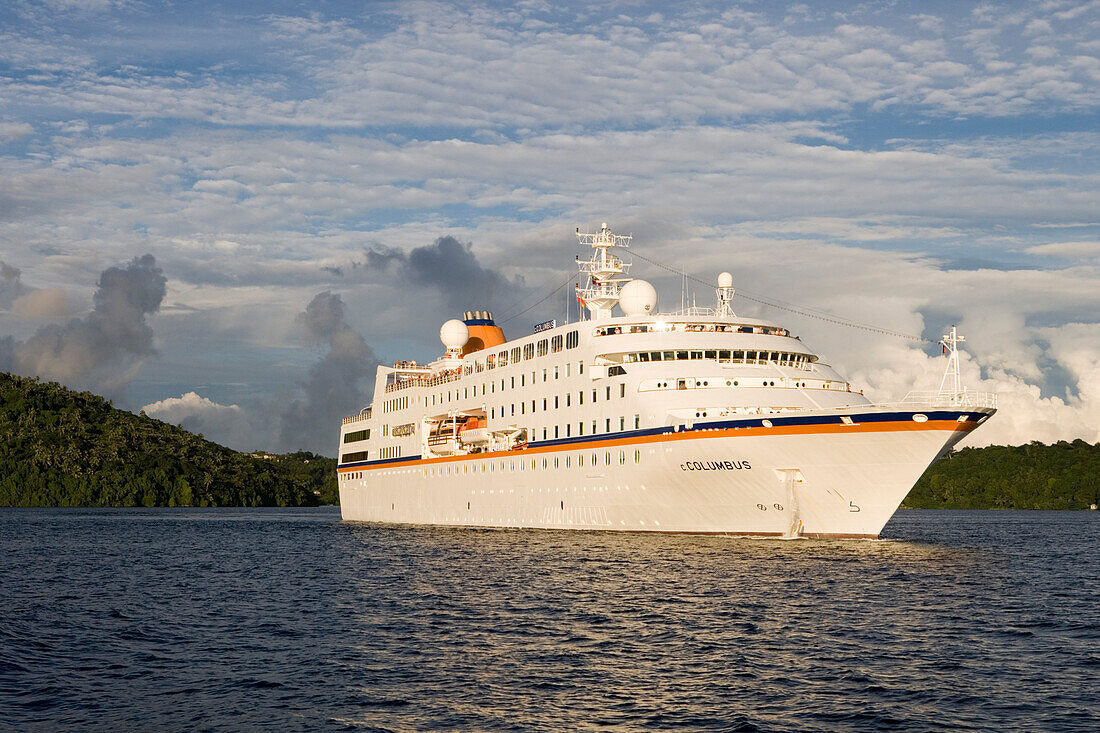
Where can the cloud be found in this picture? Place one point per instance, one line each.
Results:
(14, 131)
(43, 303)
(103, 351)
(226, 424)
(1083, 250)
(334, 386)
(11, 284)
(449, 267)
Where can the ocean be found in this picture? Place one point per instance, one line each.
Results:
(289, 619)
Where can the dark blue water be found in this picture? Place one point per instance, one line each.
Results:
(287, 620)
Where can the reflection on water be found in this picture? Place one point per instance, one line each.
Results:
(289, 619)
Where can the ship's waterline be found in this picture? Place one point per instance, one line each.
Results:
(698, 421)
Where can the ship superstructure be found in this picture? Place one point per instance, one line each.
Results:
(695, 421)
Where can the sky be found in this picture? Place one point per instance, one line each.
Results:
(226, 214)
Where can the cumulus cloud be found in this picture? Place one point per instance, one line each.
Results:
(334, 386)
(104, 350)
(449, 267)
(227, 424)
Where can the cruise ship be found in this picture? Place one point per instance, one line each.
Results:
(630, 419)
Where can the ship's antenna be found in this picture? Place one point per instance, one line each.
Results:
(950, 342)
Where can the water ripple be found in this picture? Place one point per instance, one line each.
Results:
(291, 620)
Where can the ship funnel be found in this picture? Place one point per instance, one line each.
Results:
(484, 333)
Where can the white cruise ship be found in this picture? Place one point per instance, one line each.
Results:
(696, 421)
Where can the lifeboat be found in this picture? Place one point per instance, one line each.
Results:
(474, 432)
(443, 440)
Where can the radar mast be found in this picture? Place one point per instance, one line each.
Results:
(601, 293)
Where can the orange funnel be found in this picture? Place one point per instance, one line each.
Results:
(484, 334)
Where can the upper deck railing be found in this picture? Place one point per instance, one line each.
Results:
(951, 399)
(451, 375)
(664, 327)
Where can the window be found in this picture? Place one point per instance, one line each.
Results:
(580, 367)
(697, 355)
(544, 347)
(681, 355)
(353, 457)
(607, 425)
(544, 374)
(502, 358)
(571, 340)
(357, 435)
(556, 344)
(593, 427)
(712, 354)
(622, 390)
(637, 421)
(608, 393)
(529, 351)
(622, 422)
(515, 355)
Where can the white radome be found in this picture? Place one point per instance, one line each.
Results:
(725, 280)
(454, 334)
(638, 298)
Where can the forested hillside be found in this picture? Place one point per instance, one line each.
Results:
(1034, 476)
(65, 448)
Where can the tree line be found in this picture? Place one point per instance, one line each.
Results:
(1033, 476)
(61, 448)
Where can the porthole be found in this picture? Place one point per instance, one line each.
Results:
(735, 384)
(766, 423)
(920, 417)
(728, 382)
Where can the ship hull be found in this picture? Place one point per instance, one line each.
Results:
(811, 477)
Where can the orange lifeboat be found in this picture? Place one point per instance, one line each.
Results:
(474, 432)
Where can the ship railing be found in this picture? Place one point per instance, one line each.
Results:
(363, 415)
(422, 382)
(950, 399)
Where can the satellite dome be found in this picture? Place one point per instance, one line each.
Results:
(725, 280)
(638, 298)
(454, 334)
